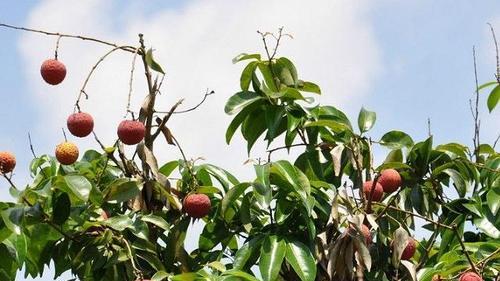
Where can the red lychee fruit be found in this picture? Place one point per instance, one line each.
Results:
(390, 180)
(67, 153)
(7, 162)
(53, 71)
(131, 132)
(197, 205)
(378, 192)
(80, 124)
(366, 233)
(410, 249)
(470, 276)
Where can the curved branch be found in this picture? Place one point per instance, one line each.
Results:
(85, 38)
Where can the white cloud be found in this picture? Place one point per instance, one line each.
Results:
(333, 46)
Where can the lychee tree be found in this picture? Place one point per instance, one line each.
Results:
(332, 213)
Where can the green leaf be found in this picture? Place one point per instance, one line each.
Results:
(265, 69)
(396, 140)
(160, 275)
(299, 256)
(152, 63)
(120, 222)
(169, 167)
(245, 253)
(156, 220)
(246, 75)
(245, 56)
(61, 208)
(335, 126)
(459, 182)
(232, 195)
(309, 87)
(366, 120)
(294, 177)
(240, 274)
(493, 98)
(486, 85)
(493, 200)
(240, 117)
(261, 183)
(288, 72)
(487, 227)
(122, 190)
(240, 100)
(13, 218)
(272, 255)
(393, 165)
(79, 185)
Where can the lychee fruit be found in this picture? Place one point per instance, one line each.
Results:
(53, 71)
(390, 180)
(365, 231)
(197, 205)
(131, 132)
(80, 124)
(378, 192)
(410, 249)
(7, 162)
(67, 153)
(470, 276)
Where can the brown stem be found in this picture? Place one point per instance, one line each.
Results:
(472, 265)
(151, 92)
(165, 119)
(416, 215)
(85, 38)
(82, 90)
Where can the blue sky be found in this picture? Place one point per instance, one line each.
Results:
(406, 60)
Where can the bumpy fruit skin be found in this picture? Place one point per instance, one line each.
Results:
(470, 276)
(410, 249)
(7, 162)
(390, 180)
(197, 205)
(53, 71)
(131, 132)
(80, 124)
(67, 153)
(377, 193)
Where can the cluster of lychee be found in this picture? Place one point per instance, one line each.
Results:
(408, 252)
(81, 124)
(388, 181)
(129, 132)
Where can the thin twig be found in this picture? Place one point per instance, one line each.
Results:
(112, 157)
(131, 82)
(270, 151)
(473, 266)
(429, 127)
(85, 38)
(82, 90)
(64, 134)
(190, 109)
(496, 141)
(57, 47)
(165, 119)
(417, 215)
(475, 114)
(497, 75)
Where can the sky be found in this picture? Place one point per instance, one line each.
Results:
(406, 60)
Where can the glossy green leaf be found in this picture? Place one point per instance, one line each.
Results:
(169, 167)
(156, 220)
(159, 276)
(300, 257)
(245, 253)
(122, 190)
(486, 85)
(272, 254)
(246, 75)
(232, 195)
(366, 120)
(79, 185)
(152, 63)
(240, 117)
(119, 223)
(396, 140)
(493, 98)
(245, 56)
(309, 87)
(335, 126)
(239, 274)
(266, 72)
(493, 200)
(239, 101)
